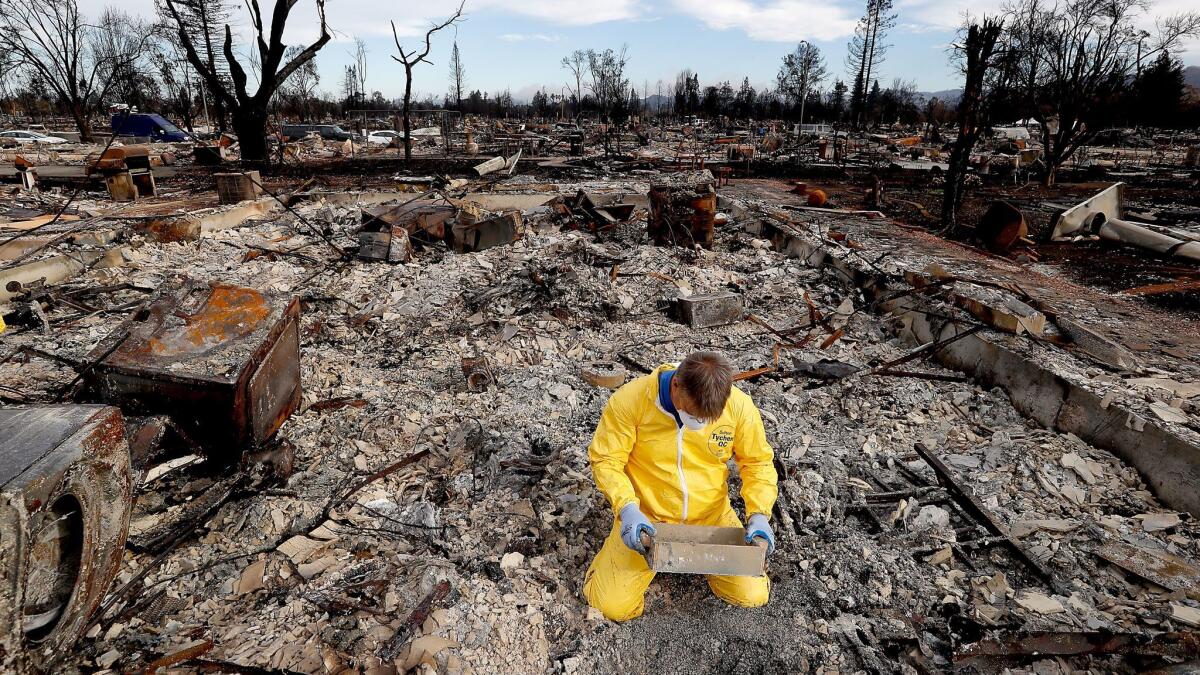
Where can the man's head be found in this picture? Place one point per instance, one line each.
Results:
(702, 384)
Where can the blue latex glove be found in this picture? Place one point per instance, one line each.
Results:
(633, 524)
(759, 527)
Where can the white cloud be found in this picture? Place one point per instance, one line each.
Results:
(365, 18)
(773, 20)
(529, 37)
(565, 12)
(944, 14)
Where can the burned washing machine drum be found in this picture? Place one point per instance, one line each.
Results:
(65, 499)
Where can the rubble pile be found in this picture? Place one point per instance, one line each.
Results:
(441, 511)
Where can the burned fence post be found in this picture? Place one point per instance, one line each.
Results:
(683, 208)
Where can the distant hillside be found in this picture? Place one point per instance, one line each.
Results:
(656, 102)
(1191, 76)
(945, 95)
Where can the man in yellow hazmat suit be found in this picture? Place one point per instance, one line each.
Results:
(660, 455)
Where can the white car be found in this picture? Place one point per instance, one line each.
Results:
(24, 137)
(383, 137)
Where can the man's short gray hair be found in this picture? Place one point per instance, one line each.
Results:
(707, 377)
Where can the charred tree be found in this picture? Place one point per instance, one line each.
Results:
(458, 77)
(577, 63)
(801, 71)
(77, 62)
(1072, 61)
(204, 21)
(866, 52)
(410, 59)
(978, 48)
(248, 112)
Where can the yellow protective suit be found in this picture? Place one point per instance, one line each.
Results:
(639, 454)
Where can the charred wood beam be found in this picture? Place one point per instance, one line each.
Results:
(1042, 644)
(965, 497)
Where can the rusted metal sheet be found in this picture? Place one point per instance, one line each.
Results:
(469, 236)
(221, 361)
(65, 498)
(700, 549)
(1154, 565)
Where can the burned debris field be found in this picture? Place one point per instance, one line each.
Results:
(290, 385)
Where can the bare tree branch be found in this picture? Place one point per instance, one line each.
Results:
(409, 59)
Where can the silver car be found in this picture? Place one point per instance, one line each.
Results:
(26, 137)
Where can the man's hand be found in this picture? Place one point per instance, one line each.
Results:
(759, 527)
(633, 524)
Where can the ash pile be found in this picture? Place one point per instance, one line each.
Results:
(426, 504)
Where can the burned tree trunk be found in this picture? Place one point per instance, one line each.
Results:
(979, 47)
(250, 123)
(409, 59)
(407, 112)
(83, 122)
(249, 111)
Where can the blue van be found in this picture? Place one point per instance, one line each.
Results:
(153, 126)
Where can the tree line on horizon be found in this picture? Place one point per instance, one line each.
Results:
(187, 64)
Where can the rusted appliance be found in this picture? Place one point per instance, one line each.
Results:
(126, 171)
(1001, 226)
(65, 497)
(222, 361)
(683, 209)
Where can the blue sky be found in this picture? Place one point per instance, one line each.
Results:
(517, 44)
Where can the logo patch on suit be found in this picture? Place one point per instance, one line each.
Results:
(720, 441)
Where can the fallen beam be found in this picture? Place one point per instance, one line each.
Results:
(1159, 289)
(1042, 644)
(965, 497)
(411, 625)
(1156, 566)
(493, 164)
(34, 223)
(192, 226)
(57, 269)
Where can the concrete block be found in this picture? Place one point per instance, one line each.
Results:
(999, 310)
(713, 309)
(238, 187)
